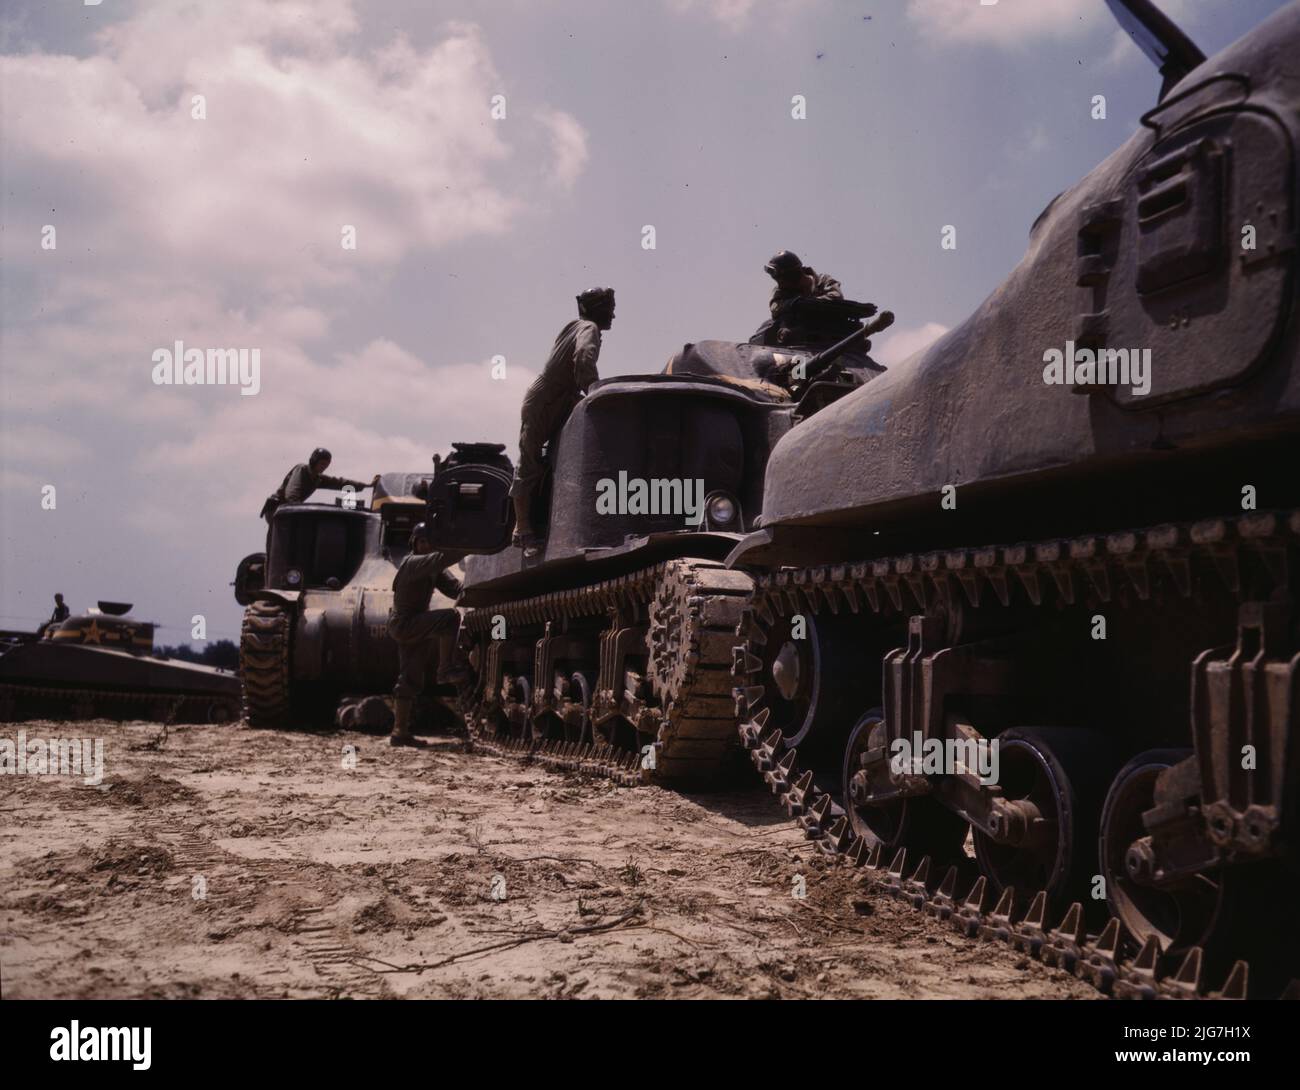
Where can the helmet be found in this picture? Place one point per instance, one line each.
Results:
(594, 300)
(419, 532)
(320, 454)
(783, 264)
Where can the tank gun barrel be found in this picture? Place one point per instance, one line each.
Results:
(827, 356)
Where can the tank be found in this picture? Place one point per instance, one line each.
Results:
(989, 545)
(617, 638)
(315, 628)
(102, 664)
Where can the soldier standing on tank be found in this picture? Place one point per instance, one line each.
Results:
(304, 478)
(569, 371)
(416, 627)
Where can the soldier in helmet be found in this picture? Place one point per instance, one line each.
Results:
(795, 281)
(570, 369)
(416, 627)
(304, 478)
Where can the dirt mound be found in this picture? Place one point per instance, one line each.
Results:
(149, 791)
(133, 858)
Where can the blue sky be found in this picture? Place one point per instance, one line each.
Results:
(473, 234)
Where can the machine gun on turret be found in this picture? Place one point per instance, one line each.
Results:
(800, 372)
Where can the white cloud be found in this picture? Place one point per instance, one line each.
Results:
(736, 15)
(1016, 23)
(732, 14)
(897, 344)
(226, 232)
(569, 140)
(301, 137)
(1007, 22)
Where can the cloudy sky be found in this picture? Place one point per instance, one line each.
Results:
(473, 233)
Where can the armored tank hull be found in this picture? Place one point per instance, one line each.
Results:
(315, 626)
(1000, 551)
(612, 649)
(102, 665)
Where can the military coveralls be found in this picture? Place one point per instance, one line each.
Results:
(300, 482)
(414, 625)
(824, 287)
(60, 614)
(570, 369)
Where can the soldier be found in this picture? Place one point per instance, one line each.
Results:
(59, 615)
(415, 626)
(795, 281)
(570, 369)
(304, 478)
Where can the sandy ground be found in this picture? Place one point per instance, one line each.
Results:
(230, 862)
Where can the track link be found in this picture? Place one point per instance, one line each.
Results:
(681, 616)
(264, 664)
(1110, 960)
(75, 703)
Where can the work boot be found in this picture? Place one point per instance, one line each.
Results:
(455, 674)
(525, 537)
(530, 542)
(402, 735)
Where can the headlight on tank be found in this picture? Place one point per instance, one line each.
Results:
(293, 577)
(722, 510)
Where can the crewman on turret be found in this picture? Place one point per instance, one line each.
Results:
(796, 282)
(60, 614)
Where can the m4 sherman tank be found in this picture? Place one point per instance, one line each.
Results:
(618, 636)
(316, 619)
(102, 664)
(1071, 526)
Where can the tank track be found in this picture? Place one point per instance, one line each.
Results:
(79, 704)
(681, 615)
(264, 664)
(960, 895)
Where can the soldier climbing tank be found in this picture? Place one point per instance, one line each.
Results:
(102, 664)
(614, 645)
(1071, 526)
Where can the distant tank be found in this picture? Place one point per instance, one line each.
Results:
(315, 625)
(1072, 526)
(619, 635)
(102, 664)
